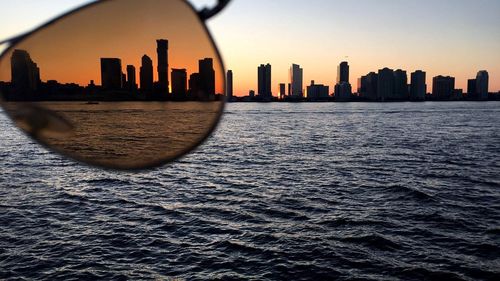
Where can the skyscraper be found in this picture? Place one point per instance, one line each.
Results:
(194, 87)
(343, 72)
(111, 74)
(343, 91)
(472, 89)
(207, 78)
(443, 88)
(482, 81)
(296, 81)
(418, 88)
(179, 84)
(146, 74)
(229, 82)
(264, 81)
(131, 81)
(385, 84)
(317, 92)
(162, 51)
(400, 85)
(369, 85)
(25, 74)
(282, 93)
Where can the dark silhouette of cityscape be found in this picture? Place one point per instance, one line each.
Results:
(116, 85)
(383, 86)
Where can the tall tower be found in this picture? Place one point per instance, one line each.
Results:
(131, 82)
(264, 75)
(343, 72)
(146, 74)
(25, 74)
(296, 81)
(482, 81)
(229, 86)
(385, 84)
(207, 77)
(162, 50)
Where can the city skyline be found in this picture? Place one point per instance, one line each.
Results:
(117, 82)
(447, 37)
(386, 84)
(73, 54)
(451, 37)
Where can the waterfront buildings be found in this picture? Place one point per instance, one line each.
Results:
(317, 92)
(282, 92)
(207, 77)
(179, 84)
(111, 74)
(400, 85)
(296, 81)
(482, 81)
(162, 52)
(264, 81)
(418, 87)
(443, 87)
(385, 84)
(229, 84)
(146, 74)
(343, 72)
(343, 89)
(25, 73)
(131, 78)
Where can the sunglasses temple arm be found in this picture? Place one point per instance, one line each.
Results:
(13, 40)
(207, 13)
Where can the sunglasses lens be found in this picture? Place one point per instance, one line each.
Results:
(120, 84)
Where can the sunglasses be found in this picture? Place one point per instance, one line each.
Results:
(118, 84)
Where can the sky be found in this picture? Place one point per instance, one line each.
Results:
(441, 37)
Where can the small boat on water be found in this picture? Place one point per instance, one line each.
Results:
(92, 102)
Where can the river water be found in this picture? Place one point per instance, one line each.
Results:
(312, 191)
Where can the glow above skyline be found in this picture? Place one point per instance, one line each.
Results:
(445, 37)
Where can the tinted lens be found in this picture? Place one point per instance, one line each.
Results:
(122, 84)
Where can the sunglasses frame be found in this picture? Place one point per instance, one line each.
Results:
(202, 15)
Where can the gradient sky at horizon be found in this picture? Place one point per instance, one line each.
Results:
(442, 37)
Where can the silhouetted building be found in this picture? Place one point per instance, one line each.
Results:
(194, 86)
(369, 85)
(443, 88)
(385, 84)
(317, 92)
(296, 81)
(343, 72)
(229, 82)
(162, 52)
(25, 75)
(264, 81)
(146, 74)
(418, 88)
(282, 93)
(131, 78)
(179, 84)
(111, 74)
(482, 81)
(471, 89)
(400, 85)
(207, 78)
(343, 91)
